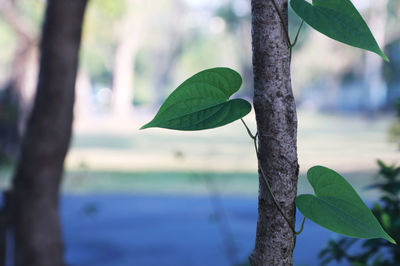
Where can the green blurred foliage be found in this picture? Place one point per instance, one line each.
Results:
(201, 53)
(394, 130)
(392, 12)
(7, 43)
(99, 39)
(232, 19)
(32, 11)
(110, 10)
(167, 23)
(143, 73)
(376, 252)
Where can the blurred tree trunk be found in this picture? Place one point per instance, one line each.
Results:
(168, 50)
(18, 92)
(123, 70)
(35, 193)
(277, 129)
(130, 33)
(83, 87)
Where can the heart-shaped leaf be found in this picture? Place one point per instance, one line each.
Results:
(337, 206)
(339, 20)
(202, 102)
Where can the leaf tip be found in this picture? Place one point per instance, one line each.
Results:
(391, 240)
(145, 126)
(385, 57)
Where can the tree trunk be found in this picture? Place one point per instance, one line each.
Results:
(277, 129)
(45, 144)
(123, 75)
(130, 32)
(168, 50)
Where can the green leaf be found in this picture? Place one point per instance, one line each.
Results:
(202, 102)
(337, 206)
(339, 20)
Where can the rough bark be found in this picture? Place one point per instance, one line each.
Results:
(277, 129)
(45, 144)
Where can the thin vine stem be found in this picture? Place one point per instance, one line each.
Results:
(302, 227)
(284, 26)
(248, 130)
(254, 137)
(297, 34)
(295, 41)
(274, 199)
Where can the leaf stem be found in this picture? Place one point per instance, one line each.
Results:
(297, 34)
(254, 137)
(301, 228)
(248, 130)
(274, 199)
(284, 26)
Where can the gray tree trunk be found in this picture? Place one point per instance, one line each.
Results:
(38, 174)
(277, 129)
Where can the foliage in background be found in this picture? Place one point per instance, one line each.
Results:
(394, 130)
(375, 252)
(387, 211)
(216, 35)
(98, 45)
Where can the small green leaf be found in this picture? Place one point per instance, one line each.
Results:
(202, 102)
(339, 20)
(337, 206)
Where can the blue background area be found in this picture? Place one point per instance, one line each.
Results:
(126, 230)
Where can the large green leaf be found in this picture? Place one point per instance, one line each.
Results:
(202, 102)
(337, 206)
(339, 20)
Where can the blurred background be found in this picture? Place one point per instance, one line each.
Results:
(191, 197)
